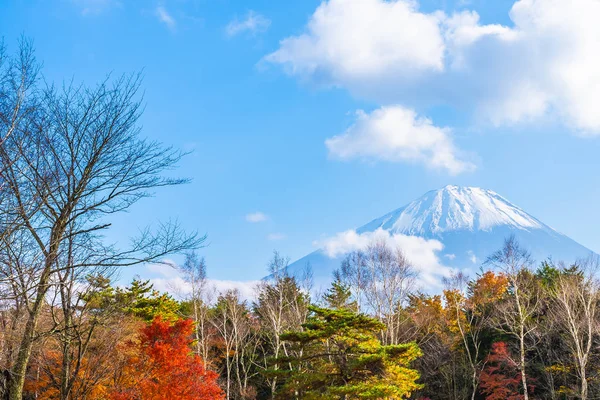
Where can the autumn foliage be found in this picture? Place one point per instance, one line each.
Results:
(501, 379)
(135, 343)
(160, 366)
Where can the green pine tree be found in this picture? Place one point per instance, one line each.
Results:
(145, 302)
(548, 274)
(338, 297)
(341, 357)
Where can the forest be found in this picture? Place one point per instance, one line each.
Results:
(73, 158)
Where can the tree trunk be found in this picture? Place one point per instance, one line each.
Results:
(17, 380)
(523, 374)
(584, 387)
(474, 385)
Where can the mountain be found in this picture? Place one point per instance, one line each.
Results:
(450, 228)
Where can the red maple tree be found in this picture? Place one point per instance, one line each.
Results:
(161, 366)
(501, 380)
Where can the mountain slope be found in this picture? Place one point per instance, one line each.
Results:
(470, 223)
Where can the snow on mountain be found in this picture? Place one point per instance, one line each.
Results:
(447, 229)
(454, 208)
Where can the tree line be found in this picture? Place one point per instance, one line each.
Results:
(517, 330)
(72, 159)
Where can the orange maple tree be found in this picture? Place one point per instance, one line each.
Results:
(161, 366)
(488, 289)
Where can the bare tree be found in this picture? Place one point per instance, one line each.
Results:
(76, 162)
(381, 279)
(353, 272)
(281, 306)
(194, 273)
(469, 327)
(515, 315)
(576, 297)
(236, 329)
(18, 103)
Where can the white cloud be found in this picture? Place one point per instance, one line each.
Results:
(472, 256)
(167, 269)
(256, 217)
(252, 23)
(450, 256)
(163, 16)
(395, 133)
(544, 65)
(352, 41)
(276, 236)
(170, 280)
(177, 286)
(421, 252)
(247, 289)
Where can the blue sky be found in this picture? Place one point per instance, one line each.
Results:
(293, 108)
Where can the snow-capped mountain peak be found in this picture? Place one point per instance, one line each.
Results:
(454, 208)
(450, 228)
